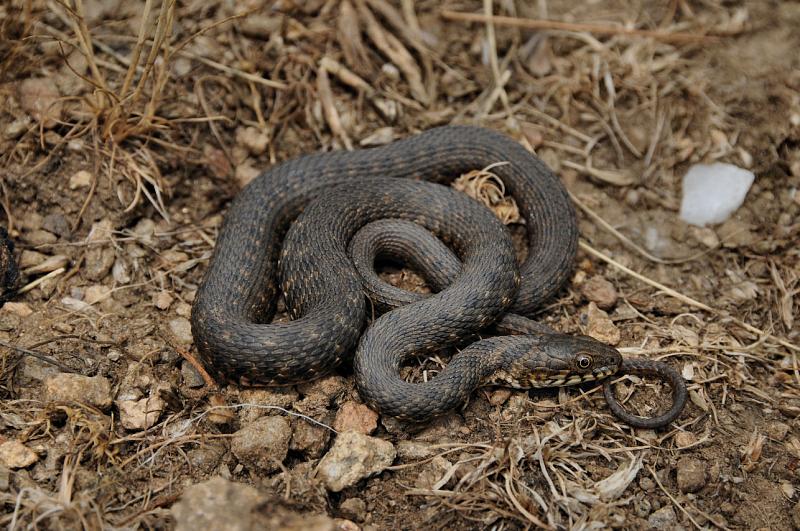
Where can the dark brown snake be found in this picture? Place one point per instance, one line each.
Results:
(296, 221)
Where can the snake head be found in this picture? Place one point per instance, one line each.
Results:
(559, 360)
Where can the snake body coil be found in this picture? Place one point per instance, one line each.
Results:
(236, 302)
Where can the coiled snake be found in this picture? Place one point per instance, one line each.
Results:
(296, 221)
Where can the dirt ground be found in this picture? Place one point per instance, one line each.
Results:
(125, 131)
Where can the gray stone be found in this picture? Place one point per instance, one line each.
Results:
(353, 457)
(191, 378)
(663, 518)
(262, 445)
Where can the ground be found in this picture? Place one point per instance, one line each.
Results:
(125, 131)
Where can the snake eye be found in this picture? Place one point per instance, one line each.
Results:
(584, 362)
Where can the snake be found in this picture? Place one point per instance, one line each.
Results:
(289, 232)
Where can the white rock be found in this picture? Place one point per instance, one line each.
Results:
(353, 457)
(711, 193)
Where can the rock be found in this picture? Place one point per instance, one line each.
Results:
(600, 291)
(245, 173)
(98, 263)
(414, 450)
(775, 430)
(705, 235)
(691, 474)
(353, 508)
(442, 428)
(35, 369)
(162, 300)
(684, 439)
(319, 394)
(40, 237)
(140, 414)
(40, 97)
(18, 308)
(499, 396)
(222, 504)
(181, 330)
(145, 230)
(96, 293)
(734, 233)
(432, 472)
(57, 224)
(206, 458)
(262, 445)
(16, 455)
(353, 416)
(219, 504)
(191, 378)
(254, 140)
(66, 387)
(600, 326)
(260, 26)
(663, 518)
(353, 457)
(80, 179)
(258, 402)
(309, 438)
(712, 192)
(5, 478)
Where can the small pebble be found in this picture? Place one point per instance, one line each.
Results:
(80, 179)
(353, 416)
(162, 300)
(499, 396)
(600, 291)
(775, 430)
(66, 387)
(140, 414)
(253, 139)
(663, 518)
(600, 326)
(181, 330)
(352, 458)
(354, 508)
(16, 455)
(691, 474)
(262, 445)
(684, 439)
(21, 309)
(309, 438)
(191, 378)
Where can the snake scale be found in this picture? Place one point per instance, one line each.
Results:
(290, 230)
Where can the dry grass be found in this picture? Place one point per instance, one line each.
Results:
(174, 107)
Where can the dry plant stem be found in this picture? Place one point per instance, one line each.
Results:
(683, 298)
(626, 241)
(329, 107)
(531, 23)
(194, 362)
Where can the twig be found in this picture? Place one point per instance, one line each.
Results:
(194, 362)
(38, 356)
(532, 23)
